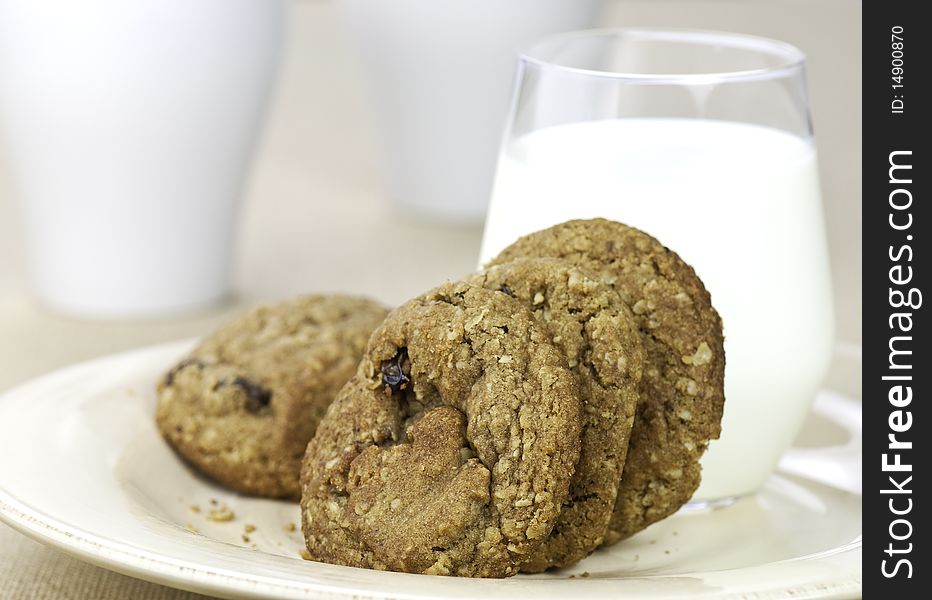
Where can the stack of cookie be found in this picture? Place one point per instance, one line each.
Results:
(520, 418)
(515, 420)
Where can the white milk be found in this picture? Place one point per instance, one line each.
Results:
(741, 204)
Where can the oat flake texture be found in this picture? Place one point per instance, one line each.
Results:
(682, 387)
(460, 463)
(598, 335)
(243, 405)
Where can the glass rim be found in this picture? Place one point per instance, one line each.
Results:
(793, 59)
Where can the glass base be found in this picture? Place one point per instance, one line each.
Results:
(697, 505)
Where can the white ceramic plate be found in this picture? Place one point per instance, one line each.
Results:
(82, 468)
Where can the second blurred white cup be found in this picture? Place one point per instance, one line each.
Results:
(128, 127)
(440, 75)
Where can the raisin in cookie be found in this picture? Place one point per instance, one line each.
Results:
(243, 405)
(451, 450)
(682, 393)
(592, 326)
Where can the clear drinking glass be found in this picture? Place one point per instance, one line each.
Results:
(704, 140)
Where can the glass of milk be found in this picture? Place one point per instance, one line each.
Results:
(704, 140)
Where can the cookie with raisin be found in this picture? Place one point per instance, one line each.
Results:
(450, 451)
(243, 404)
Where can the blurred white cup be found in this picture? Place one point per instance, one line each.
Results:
(440, 76)
(128, 127)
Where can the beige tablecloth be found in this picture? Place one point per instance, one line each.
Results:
(314, 205)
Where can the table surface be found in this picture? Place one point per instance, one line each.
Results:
(315, 204)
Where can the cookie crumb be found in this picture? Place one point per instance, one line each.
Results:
(249, 528)
(305, 554)
(214, 502)
(666, 552)
(195, 508)
(246, 538)
(221, 515)
(290, 527)
(572, 577)
(192, 528)
(585, 574)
